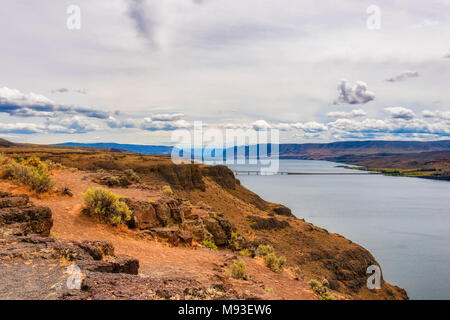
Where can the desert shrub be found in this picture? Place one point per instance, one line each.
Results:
(269, 290)
(245, 253)
(37, 178)
(203, 206)
(32, 161)
(321, 290)
(187, 203)
(132, 175)
(115, 181)
(264, 250)
(238, 270)
(275, 263)
(167, 191)
(210, 244)
(106, 205)
(65, 191)
(4, 159)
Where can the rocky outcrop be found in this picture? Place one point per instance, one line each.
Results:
(144, 214)
(183, 176)
(283, 211)
(259, 223)
(171, 220)
(45, 264)
(222, 175)
(18, 216)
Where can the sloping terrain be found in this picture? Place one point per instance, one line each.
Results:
(167, 232)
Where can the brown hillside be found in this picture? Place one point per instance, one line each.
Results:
(206, 199)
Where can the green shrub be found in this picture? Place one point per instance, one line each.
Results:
(33, 161)
(167, 191)
(132, 175)
(4, 159)
(187, 203)
(275, 263)
(36, 177)
(210, 244)
(269, 290)
(245, 253)
(106, 205)
(264, 250)
(238, 270)
(321, 290)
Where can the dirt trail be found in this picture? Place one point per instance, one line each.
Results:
(155, 258)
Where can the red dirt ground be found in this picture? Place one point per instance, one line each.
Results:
(156, 258)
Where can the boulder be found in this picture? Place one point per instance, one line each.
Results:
(197, 229)
(215, 229)
(18, 216)
(144, 214)
(283, 211)
(124, 264)
(170, 234)
(260, 223)
(162, 212)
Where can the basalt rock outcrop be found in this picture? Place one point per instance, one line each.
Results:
(178, 223)
(39, 267)
(18, 216)
(260, 223)
(183, 176)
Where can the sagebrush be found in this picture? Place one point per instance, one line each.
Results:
(32, 172)
(106, 205)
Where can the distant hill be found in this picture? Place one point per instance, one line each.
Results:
(325, 150)
(147, 149)
(303, 151)
(5, 143)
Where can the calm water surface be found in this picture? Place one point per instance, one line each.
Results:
(403, 222)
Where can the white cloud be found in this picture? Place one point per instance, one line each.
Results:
(151, 125)
(261, 125)
(115, 123)
(441, 115)
(16, 103)
(167, 116)
(347, 115)
(403, 76)
(354, 94)
(400, 113)
(22, 128)
(71, 125)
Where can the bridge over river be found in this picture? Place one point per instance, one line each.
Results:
(261, 172)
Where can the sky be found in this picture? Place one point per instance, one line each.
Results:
(134, 71)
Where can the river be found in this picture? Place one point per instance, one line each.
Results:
(404, 222)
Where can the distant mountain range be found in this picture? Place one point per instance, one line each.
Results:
(303, 151)
(154, 150)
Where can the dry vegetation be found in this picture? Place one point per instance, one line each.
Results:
(289, 247)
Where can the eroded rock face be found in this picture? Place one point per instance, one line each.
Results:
(260, 223)
(162, 212)
(219, 228)
(144, 214)
(283, 211)
(171, 220)
(18, 216)
(182, 176)
(222, 175)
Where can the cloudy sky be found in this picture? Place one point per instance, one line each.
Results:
(138, 69)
